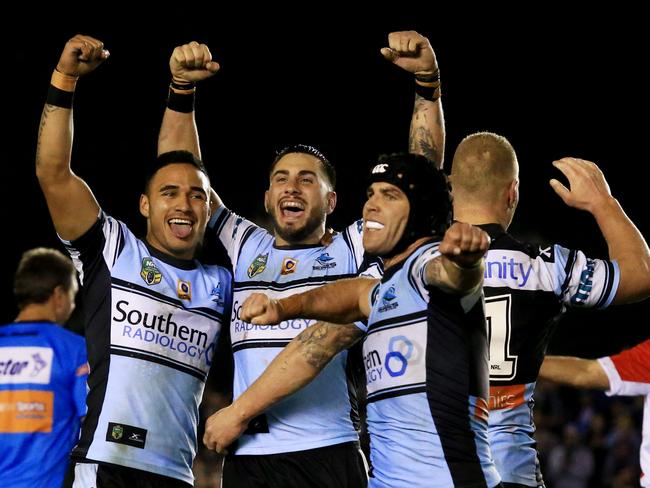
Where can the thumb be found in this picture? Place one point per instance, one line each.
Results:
(390, 54)
(560, 189)
(212, 66)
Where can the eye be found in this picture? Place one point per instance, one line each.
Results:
(198, 196)
(308, 180)
(280, 179)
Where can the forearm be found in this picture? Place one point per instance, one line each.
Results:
(576, 372)
(427, 132)
(296, 366)
(338, 302)
(54, 145)
(178, 131)
(444, 273)
(627, 246)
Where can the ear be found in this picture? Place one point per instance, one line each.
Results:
(331, 202)
(144, 205)
(266, 201)
(513, 194)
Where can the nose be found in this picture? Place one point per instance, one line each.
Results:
(370, 205)
(292, 186)
(183, 203)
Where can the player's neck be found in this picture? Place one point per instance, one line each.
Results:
(37, 312)
(478, 215)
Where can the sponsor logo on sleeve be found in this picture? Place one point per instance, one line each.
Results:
(126, 434)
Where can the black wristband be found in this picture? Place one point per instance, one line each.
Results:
(180, 102)
(59, 98)
(428, 86)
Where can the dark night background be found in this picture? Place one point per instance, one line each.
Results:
(554, 85)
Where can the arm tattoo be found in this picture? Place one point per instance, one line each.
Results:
(420, 139)
(434, 271)
(321, 342)
(47, 110)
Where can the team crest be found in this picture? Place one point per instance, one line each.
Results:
(117, 432)
(150, 272)
(288, 266)
(184, 290)
(324, 261)
(388, 300)
(258, 265)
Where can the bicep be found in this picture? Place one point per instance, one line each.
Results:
(72, 206)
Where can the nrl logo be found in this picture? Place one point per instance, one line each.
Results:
(258, 265)
(117, 432)
(149, 272)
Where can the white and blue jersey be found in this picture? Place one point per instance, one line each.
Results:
(526, 289)
(43, 371)
(425, 353)
(321, 413)
(151, 326)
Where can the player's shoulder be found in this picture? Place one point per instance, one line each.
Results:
(533, 248)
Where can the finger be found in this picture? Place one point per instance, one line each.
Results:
(212, 66)
(198, 54)
(179, 56)
(562, 191)
(390, 54)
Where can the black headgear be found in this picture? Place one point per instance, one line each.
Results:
(427, 190)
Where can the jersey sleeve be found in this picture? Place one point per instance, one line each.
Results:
(232, 231)
(417, 270)
(628, 371)
(101, 244)
(353, 236)
(581, 281)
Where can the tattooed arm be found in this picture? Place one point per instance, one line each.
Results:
(71, 203)
(297, 365)
(413, 53)
(460, 267)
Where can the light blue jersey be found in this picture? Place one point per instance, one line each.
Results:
(320, 414)
(425, 353)
(152, 323)
(43, 371)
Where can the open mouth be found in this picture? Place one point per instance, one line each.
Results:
(292, 209)
(373, 225)
(181, 228)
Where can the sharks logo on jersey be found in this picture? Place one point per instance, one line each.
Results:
(324, 261)
(387, 300)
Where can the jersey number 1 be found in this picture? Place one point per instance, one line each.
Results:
(503, 366)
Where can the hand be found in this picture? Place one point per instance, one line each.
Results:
(260, 309)
(464, 244)
(191, 63)
(222, 429)
(411, 52)
(588, 188)
(81, 55)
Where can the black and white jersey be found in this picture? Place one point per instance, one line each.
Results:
(527, 288)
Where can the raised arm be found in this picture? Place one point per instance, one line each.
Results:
(588, 190)
(460, 267)
(576, 372)
(72, 206)
(296, 366)
(413, 53)
(340, 302)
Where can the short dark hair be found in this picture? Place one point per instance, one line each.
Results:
(39, 272)
(172, 157)
(329, 170)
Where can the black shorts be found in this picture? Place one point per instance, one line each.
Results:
(88, 475)
(340, 466)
